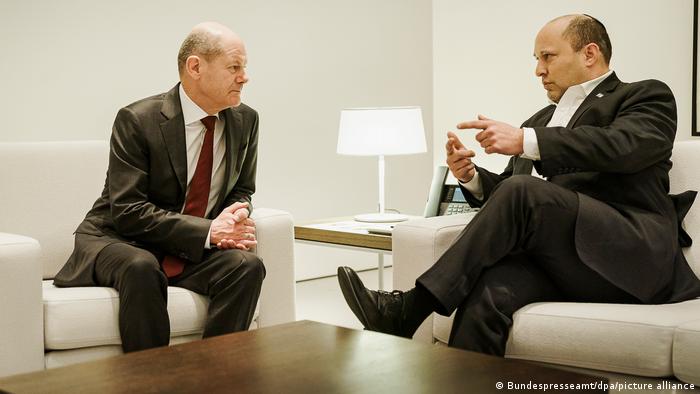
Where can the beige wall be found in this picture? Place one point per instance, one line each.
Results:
(69, 65)
(483, 59)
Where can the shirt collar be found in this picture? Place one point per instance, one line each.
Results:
(589, 86)
(191, 112)
(581, 90)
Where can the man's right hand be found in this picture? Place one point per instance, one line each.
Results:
(229, 231)
(459, 158)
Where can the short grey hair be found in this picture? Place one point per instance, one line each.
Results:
(201, 43)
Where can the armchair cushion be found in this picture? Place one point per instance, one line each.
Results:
(633, 339)
(686, 352)
(62, 358)
(582, 335)
(78, 317)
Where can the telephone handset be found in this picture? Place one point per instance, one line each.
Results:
(445, 198)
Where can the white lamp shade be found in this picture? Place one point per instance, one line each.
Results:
(381, 131)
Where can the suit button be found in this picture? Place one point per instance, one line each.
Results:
(183, 255)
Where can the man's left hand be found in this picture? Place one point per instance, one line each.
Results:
(495, 136)
(239, 216)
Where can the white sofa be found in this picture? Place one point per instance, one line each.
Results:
(47, 188)
(646, 340)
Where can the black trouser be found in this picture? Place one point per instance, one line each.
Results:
(230, 278)
(517, 250)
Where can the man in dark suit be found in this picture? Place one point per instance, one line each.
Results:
(176, 202)
(600, 228)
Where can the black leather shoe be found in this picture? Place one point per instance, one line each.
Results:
(377, 310)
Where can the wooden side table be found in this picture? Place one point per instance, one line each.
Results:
(344, 232)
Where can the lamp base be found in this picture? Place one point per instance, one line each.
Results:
(380, 217)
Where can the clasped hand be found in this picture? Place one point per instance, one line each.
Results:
(233, 228)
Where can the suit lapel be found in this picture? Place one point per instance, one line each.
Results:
(173, 131)
(541, 118)
(608, 85)
(522, 166)
(232, 131)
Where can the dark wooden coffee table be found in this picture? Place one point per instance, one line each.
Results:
(300, 357)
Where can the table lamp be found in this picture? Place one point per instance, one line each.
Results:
(381, 132)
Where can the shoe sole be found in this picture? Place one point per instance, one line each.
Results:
(350, 294)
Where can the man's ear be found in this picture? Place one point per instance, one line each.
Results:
(591, 53)
(193, 66)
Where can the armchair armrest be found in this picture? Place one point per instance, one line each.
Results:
(416, 245)
(21, 310)
(275, 235)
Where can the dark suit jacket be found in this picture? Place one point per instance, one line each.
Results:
(615, 154)
(146, 183)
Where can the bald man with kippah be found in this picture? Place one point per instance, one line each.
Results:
(601, 226)
(176, 202)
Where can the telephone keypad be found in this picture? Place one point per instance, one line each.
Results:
(456, 208)
(453, 209)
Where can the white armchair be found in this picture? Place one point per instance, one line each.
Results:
(47, 188)
(647, 340)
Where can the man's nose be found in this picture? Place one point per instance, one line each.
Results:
(243, 77)
(540, 70)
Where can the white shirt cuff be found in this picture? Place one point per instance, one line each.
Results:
(474, 187)
(207, 245)
(531, 149)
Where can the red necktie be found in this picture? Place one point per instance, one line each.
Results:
(198, 195)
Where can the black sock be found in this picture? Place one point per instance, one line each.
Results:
(420, 303)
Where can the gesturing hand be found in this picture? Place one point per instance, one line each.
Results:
(495, 136)
(233, 228)
(459, 158)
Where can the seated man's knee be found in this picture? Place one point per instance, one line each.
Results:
(143, 270)
(517, 183)
(523, 188)
(247, 263)
(253, 265)
(143, 264)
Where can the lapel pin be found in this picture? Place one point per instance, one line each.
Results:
(599, 95)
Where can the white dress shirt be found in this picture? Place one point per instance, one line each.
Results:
(565, 110)
(194, 138)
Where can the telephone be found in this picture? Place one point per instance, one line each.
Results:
(445, 196)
